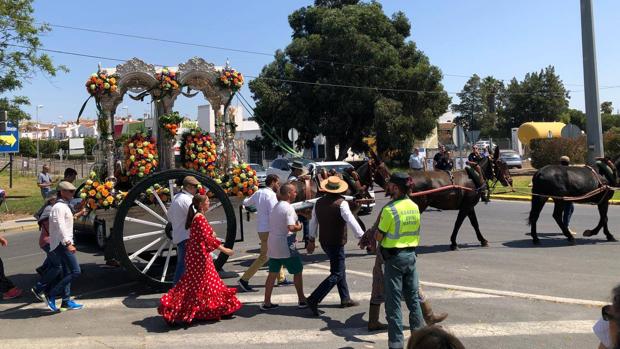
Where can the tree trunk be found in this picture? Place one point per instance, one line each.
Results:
(330, 149)
(343, 147)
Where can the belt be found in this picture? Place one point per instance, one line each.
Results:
(394, 250)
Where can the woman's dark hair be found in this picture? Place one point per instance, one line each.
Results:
(434, 337)
(70, 172)
(193, 208)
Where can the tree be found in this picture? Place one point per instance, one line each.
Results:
(481, 101)
(20, 58)
(27, 147)
(607, 107)
(345, 57)
(541, 96)
(89, 144)
(575, 117)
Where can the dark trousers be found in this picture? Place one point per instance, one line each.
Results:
(568, 212)
(65, 263)
(306, 227)
(5, 283)
(337, 276)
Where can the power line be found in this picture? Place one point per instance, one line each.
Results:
(320, 84)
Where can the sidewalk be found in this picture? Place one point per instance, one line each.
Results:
(22, 224)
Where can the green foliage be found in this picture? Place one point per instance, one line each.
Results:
(49, 146)
(607, 107)
(89, 143)
(547, 151)
(27, 147)
(609, 121)
(611, 142)
(20, 58)
(541, 96)
(575, 117)
(326, 37)
(480, 102)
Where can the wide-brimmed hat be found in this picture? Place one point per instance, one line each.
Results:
(64, 185)
(334, 184)
(299, 166)
(400, 179)
(191, 180)
(52, 194)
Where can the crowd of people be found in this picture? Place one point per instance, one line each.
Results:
(200, 294)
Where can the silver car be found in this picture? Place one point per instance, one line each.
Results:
(511, 158)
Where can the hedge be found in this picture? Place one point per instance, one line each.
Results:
(547, 151)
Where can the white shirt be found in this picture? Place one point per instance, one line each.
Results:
(416, 161)
(61, 224)
(346, 214)
(264, 200)
(177, 216)
(282, 215)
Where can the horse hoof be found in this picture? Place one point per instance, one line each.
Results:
(536, 242)
(454, 247)
(587, 233)
(611, 238)
(572, 242)
(484, 243)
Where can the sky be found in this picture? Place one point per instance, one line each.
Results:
(503, 38)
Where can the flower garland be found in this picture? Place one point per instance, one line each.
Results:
(170, 123)
(167, 80)
(100, 83)
(231, 79)
(99, 194)
(162, 192)
(140, 156)
(241, 181)
(198, 152)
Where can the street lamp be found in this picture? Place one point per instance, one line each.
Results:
(40, 106)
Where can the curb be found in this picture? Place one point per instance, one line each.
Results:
(508, 197)
(25, 227)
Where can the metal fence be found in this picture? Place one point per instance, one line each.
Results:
(26, 166)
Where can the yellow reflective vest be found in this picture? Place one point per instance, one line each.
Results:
(400, 220)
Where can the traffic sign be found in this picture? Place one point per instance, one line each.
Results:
(571, 131)
(458, 136)
(293, 134)
(9, 140)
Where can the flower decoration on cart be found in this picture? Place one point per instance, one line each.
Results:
(162, 192)
(240, 181)
(100, 83)
(100, 194)
(167, 80)
(198, 152)
(141, 157)
(170, 123)
(231, 79)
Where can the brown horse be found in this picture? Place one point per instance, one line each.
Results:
(577, 184)
(450, 190)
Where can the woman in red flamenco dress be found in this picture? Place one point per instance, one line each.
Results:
(200, 294)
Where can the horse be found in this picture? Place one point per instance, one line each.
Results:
(450, 190)
(573, 184)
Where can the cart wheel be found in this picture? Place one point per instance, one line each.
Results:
(142, 235)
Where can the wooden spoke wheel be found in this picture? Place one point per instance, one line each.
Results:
(142, 236)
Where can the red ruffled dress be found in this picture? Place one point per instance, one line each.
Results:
(200, 294)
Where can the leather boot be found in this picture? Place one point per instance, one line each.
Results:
(429, 317)
(373, 319)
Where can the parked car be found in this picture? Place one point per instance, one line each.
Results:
(339, 167)
(282, 167)
(511, 158)
(260, 173)
(483, 144)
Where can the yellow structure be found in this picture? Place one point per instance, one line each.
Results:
(534, 130)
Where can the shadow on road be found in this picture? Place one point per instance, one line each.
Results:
(550, 243)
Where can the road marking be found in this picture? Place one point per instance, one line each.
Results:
(553, 299)
(335, 337)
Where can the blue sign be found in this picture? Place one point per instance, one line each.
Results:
(9, 140)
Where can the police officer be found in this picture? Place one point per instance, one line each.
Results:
(399, 234)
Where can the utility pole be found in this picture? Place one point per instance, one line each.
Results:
(590, 80)
(38, 131)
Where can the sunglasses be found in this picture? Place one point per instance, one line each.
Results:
(607, 314)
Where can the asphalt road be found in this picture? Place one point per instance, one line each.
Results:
(473, 284)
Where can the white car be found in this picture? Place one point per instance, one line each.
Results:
(282, 168)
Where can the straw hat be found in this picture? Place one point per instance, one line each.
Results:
(334, 184)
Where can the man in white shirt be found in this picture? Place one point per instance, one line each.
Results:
(62, 250)
(177, 216)
(281, 246)
(264, 200)
(333, 214)
(417, 161)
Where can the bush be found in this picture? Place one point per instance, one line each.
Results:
(548, 151)
(611, 141)
(27, 147)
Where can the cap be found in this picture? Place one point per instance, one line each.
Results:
(400, 178)
(191, 180)
(565, 159)
(64, 185)
(52, 194)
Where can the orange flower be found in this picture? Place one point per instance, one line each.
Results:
(95, 184)
(92, 193)
(105, 192)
